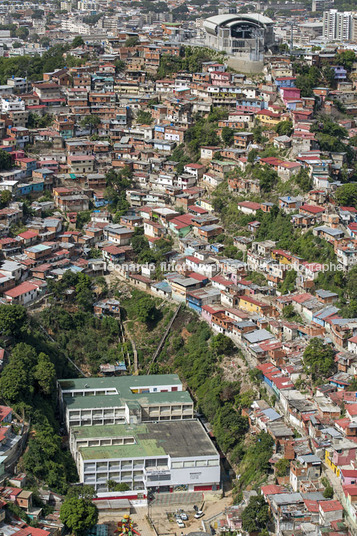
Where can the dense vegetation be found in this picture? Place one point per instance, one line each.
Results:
(190, 59)
(34, 66)
(78, 512)
(197, 359)
(27, 383)
(319, 359)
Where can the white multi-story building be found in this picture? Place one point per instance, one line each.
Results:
(12, 105)
(344, 26)
(76, 27)
(329, 24)
(337, 25)
(122, 429)
(20, 85)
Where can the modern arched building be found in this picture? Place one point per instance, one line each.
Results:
(240, 34)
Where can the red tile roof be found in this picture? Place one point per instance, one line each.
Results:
(28, 234)
(199, 277)
(20, 289)
(272, 489)
(352, 409)
(313, 209)
(249, 204)
(331, 506)
(4, 412)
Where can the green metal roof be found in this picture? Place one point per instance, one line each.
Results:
(123, 385)
(186, 438)
(111, 401)
(111, 430)
(120, 382)
(144, 448)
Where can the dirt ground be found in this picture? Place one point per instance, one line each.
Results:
(163, 518)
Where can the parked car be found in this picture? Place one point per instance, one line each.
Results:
(183, 516)
(180, 523)
(199, 514)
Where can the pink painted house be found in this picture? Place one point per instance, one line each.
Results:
(348, 476)
(290, 93)
(209, 310)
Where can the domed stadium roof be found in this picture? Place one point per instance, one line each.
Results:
(230, 19)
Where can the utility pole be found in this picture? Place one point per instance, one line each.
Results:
(291, 37)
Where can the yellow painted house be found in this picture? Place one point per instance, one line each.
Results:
(246, 303)
(206, 204)
(329, 462)
(266, 117)
(281, 256)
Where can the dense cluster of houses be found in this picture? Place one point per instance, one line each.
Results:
(59, 173)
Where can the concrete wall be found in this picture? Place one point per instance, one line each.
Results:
(244, 64)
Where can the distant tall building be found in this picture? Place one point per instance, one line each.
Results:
(321, 5)
(87, 5)
(337, 25)
(66, 6)
(329, 24)
(354, 28)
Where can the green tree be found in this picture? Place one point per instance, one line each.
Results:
(38, 121)
(222, 345)
(132, 41)
(330, 135)
(77, 42)
(5, 198)
(45, 374)
(14, 385)
(92, 122)
(284, 128)
(346, 58)
(319, 359)
(229, 427)
(227, 136)
(120, 65)
(22, 32)
(289, 283)
(81, 492)
(145, 310)
(115, 486)
(346, 195)
(329, 75)
(78, 515)
(349, 310)
(144, 118)
(45, 41)
(140, 244)
(252, 155)
(281, 467)
(255, 517)
(258, 133)
(266, 176)
(290, 314)
(82, 218)
(351, 284)
(22, 360)
(328, 492)
(307, 79)
(37, 14)
(12, 320)
(5, 161)
(95, 253)
(303, 180)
